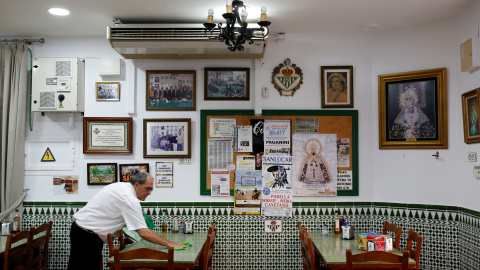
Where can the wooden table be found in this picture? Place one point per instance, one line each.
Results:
(331, 249)
(184, 259)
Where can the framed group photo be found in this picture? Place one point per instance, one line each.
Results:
(337, 86)
(470, 101)
(413, 110)
(167, 138)
(108, 91)
(171, 90)
(101, 173)
(227, 84)
(107, 135)
(128, 170)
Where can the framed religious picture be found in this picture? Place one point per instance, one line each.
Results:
(337, 86)
(128, 170)
(101, 173)
(167, 138)
(108, 91)
(227, 84)
(412, 108)
(107, 135)
(470, 101)
(171, 90)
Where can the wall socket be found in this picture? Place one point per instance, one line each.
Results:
(265, 91)
(185, 160)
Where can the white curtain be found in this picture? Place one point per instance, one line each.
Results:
(14, 96)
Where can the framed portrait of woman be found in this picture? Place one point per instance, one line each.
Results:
(470, 101)
(413, 110)
(337, 86)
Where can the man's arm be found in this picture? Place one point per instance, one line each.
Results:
(151, 236)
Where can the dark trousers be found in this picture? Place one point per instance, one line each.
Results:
(85, 249)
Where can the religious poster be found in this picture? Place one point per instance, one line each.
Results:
(315, 156)
(276, 137)
(247, 196)
(277, 173)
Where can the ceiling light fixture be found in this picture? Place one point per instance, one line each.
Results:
(234, 37)
(58, 11)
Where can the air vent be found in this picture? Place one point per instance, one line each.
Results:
(63, 68)
(47, 99)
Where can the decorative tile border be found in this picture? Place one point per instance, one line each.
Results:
(451, 234)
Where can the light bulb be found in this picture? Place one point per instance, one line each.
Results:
(263, 15)
(244, 15)
(229, 6)
(210, 16)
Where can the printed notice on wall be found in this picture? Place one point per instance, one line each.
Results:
(164, 174)
(220, 153)
(222, 127)
(344, 180)
(220, 180)
(276, 137)
(276, 185)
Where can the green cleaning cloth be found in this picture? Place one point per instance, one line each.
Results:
(149, 221)
(184, 243)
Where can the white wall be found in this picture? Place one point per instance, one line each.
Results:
(404, 176)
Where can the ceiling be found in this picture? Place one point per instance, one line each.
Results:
(29, 18)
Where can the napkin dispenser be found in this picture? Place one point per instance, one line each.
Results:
(188, 226)
(7, 228)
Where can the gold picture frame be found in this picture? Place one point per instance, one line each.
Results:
(412, 110)
(171, 90)
(107, 91)
(167, 138)
(470, 111)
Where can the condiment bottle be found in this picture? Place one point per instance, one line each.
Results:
(347, 231)
(336, 224)
(181, 229)
(175, 224)
(341, 220)
(164, 227)
(16, 222)
(324, 229)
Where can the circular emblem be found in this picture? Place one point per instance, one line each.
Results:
(266, 191)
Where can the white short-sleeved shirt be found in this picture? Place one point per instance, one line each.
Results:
(115, 206)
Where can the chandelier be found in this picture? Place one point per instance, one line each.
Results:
(235, 32)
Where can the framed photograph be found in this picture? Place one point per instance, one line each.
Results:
(470, 101)
(107, 135)
(337, 86)
(167, 138)
(101, 173)
(227, 84)
(412, 108)
(126, 170)
(171, 90)
(108, 91)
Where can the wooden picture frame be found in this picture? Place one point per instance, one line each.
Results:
(107, 91)
(125, 170)
(171, 90)
(107, 135)
(412, 108)
(337, 86)
(227, 84)
(158, 144)
(470, 110)
(101, 173)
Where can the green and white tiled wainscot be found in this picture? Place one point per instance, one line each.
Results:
(451, 235)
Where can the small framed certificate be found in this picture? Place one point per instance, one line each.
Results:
(103, 135)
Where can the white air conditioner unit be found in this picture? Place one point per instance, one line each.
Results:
(58, 84)
(162, 41)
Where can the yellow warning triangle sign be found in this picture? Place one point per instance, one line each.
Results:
(48, 156)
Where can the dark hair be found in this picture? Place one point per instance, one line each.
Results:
(140, 177)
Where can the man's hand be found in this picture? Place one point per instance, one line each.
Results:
(175, 244)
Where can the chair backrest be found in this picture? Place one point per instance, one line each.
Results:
(110, 243)
(142, 253)
(210, 229)
(395, 261)
(414, 253)
(16, 253)
(39, 258)
(301, 233)
(309, 259)
(208, 252)
(397, 230)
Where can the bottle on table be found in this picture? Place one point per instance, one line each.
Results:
(175, 224)
(336, 224)
(16, 223)
(341, 220)
(347, 231)
(181, 229)
(324, 229)
(164, 227)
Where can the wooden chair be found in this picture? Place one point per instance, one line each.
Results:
(301, 233)
(210, 229)
(142, 253)
(397, 230)
(414, 253)
(39, 247)
(208, 252)
(110, 243)
(16, 254)
(309, 259)
(201, 262)
(396, 261)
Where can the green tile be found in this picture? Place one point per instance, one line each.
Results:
(148, 204)
(184, 204)
(344, 204)
(220, 204)
(308, 204)
(381, 204)
(166, 204)
(436, 207)
(326, 204)
(398, 205)
(201, 204)
(417, 206)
